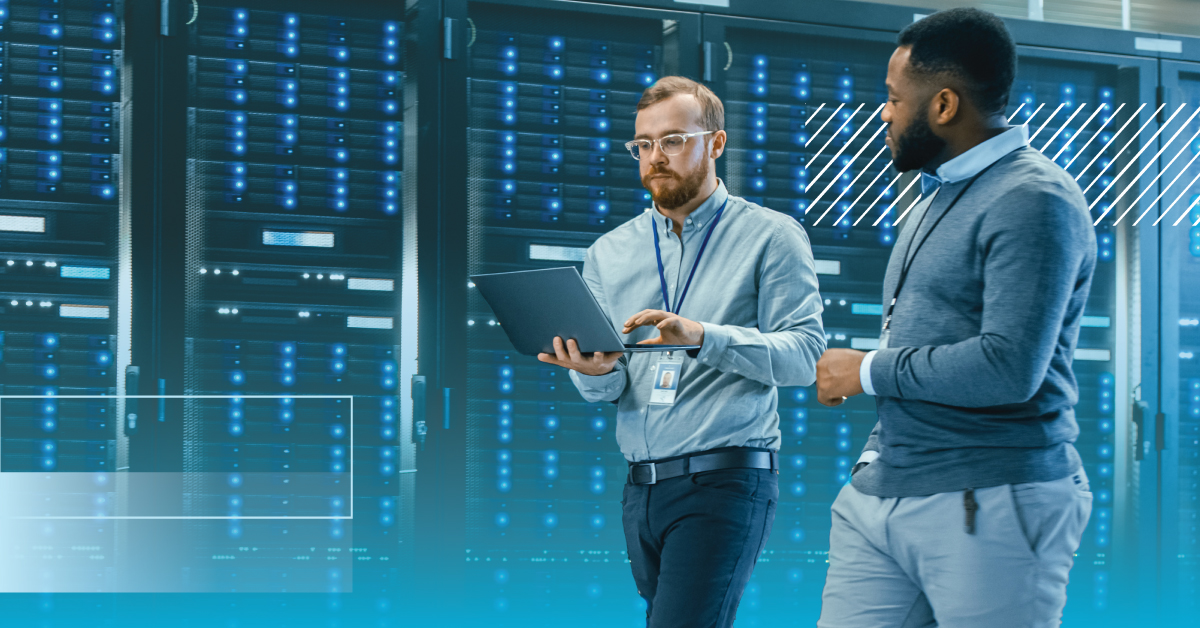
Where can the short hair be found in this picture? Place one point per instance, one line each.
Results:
(712, 112)
(973, 46)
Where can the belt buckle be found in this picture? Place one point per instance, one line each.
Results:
(653, 472)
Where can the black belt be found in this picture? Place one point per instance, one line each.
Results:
(651, 472)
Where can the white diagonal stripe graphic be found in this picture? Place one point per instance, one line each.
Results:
(1119, 152)
(1016, 112)
(1035, 112)
(1126, 169)
(856, 177)
(1161, 172)
(910, 207)
(1106, 145)
(1152, 161)
(814, 135)
(814, 114)
(898, 197)
(1084, 127)
(1060, 129)
(829, 141)
(1158, 198)
(1039, 131)
(1181, 195)
(868, 188)
(851, 186)
(1186, 211)
(839, 154)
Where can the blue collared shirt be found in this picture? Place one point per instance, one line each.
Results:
(755, 293)
(960, 168)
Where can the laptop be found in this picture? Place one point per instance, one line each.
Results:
(534, 306)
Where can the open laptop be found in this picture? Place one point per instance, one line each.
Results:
(534, 306)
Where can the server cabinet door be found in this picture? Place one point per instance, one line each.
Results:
(61, 262)
(60, 216)
(1174, 443)
(802, 105)
(538, 112)
(296, 261)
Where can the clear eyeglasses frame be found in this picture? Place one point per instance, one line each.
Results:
(670, 145)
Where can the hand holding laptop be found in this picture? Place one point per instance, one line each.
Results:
(519, 300)
(673, 330)
(568, 356)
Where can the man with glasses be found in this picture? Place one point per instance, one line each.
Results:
(702, 267)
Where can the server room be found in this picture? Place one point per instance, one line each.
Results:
(270, 269)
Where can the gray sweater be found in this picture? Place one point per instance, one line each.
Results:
(975, 388)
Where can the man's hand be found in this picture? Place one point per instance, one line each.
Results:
(567, 355)
(673, 329)
(837, 376)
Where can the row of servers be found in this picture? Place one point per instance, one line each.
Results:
(547, 175)
(294, 173)
(298, 213)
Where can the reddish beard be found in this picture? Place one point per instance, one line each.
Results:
(677, 190)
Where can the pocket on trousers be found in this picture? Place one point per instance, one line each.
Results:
(738, 483)
(1025, 503)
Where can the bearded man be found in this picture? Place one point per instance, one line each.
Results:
(702, 267)
(969, 500)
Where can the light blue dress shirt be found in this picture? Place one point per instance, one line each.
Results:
(755, 292)
(962, 167)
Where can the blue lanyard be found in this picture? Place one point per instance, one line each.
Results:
(662, 275)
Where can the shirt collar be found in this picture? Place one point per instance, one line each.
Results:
(981, 156)
(702, 214)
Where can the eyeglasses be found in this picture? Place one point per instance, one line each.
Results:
(671, 145)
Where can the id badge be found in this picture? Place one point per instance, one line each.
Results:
(666, 378)
(884, 337)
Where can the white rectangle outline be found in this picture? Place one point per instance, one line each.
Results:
(187, 518)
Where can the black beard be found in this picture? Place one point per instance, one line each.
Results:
(917, 146)
(683, 190)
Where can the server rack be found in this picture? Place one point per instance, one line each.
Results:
(59, 156)
(1176, 441)
(550, 91)
(61, 260)
(293, 276)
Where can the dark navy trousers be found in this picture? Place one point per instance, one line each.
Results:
(693, 541)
